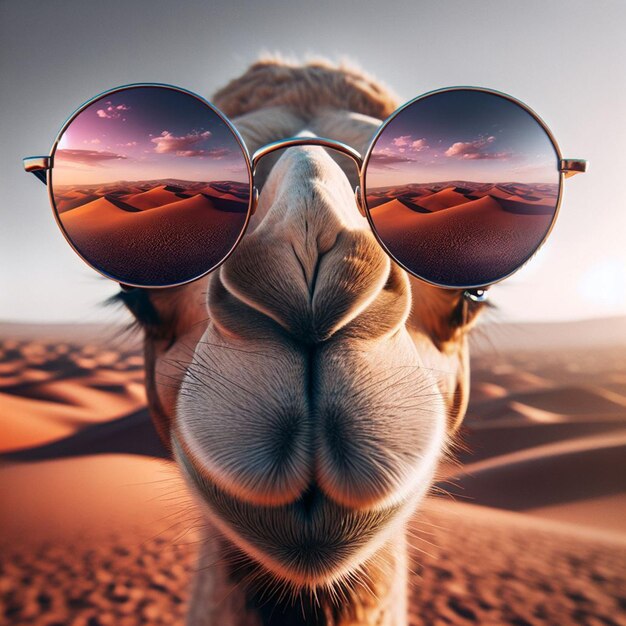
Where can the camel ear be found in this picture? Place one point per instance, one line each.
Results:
(446, 317)
(458, 398)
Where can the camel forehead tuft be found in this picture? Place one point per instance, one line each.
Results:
(306, 89)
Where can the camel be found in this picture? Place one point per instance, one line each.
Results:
(308, 388)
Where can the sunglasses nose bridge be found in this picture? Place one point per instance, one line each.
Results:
(290, 142)
(331, 144)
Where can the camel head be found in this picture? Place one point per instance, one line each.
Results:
(308, 387)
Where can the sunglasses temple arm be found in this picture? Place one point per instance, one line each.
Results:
(571, 167)
(39, 166)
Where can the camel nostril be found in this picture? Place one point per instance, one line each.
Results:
(327, 288)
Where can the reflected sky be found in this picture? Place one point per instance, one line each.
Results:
(463, 135)
(147, 133)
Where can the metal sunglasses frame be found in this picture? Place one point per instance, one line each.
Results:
(42, 167)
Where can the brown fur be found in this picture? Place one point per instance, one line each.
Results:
(305, 90)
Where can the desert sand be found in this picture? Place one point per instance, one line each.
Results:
(469, 564)
(527, 526)
(480, 229)
(137, 231)
(147, 194)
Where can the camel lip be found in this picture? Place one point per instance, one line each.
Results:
(310, 500)
(308, 542)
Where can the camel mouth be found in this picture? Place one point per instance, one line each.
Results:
(309, 542)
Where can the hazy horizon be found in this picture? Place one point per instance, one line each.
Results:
(579, 273)
(461, 180)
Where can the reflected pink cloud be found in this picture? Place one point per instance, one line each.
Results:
(476, 149)
(168, 143)
(89, 157)
(112, 112)
(401, 141)
(383, 160)
(419, 144)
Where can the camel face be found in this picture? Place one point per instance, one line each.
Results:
(308, 412)
(307, 388)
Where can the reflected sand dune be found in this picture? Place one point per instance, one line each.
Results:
(144, 195)
(481, 229)
(115, 225)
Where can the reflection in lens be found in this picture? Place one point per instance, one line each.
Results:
(462, 187)
(151, 186)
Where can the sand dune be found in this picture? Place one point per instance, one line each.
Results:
(64, 203)
(29, 421)
(144, 195)
(226, 202)
(517, 198)
(484, 391)
(538, 193)
(515, 380)
(127, 555)
(49, 391)
(563, 471)
(112, 236)
(585, 512)
(70, 198)
(477, 238)
(469, 209)
(443, 199)
(133, 433)
(569, 403)
(390, 209)
(154, 197)
(72, 410)
(515, 204)
(495, 191)
(571, 343)
(101, 492)
(91, 214)
(225, 195)
(495, 440)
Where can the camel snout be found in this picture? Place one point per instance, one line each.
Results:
(312, 264)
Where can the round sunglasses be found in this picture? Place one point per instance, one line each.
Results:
(153, 186)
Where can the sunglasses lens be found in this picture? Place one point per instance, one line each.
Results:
(462, 187)
(151, 186)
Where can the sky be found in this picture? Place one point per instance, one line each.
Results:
(564, 58)
(147, 133)
(463, 135)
